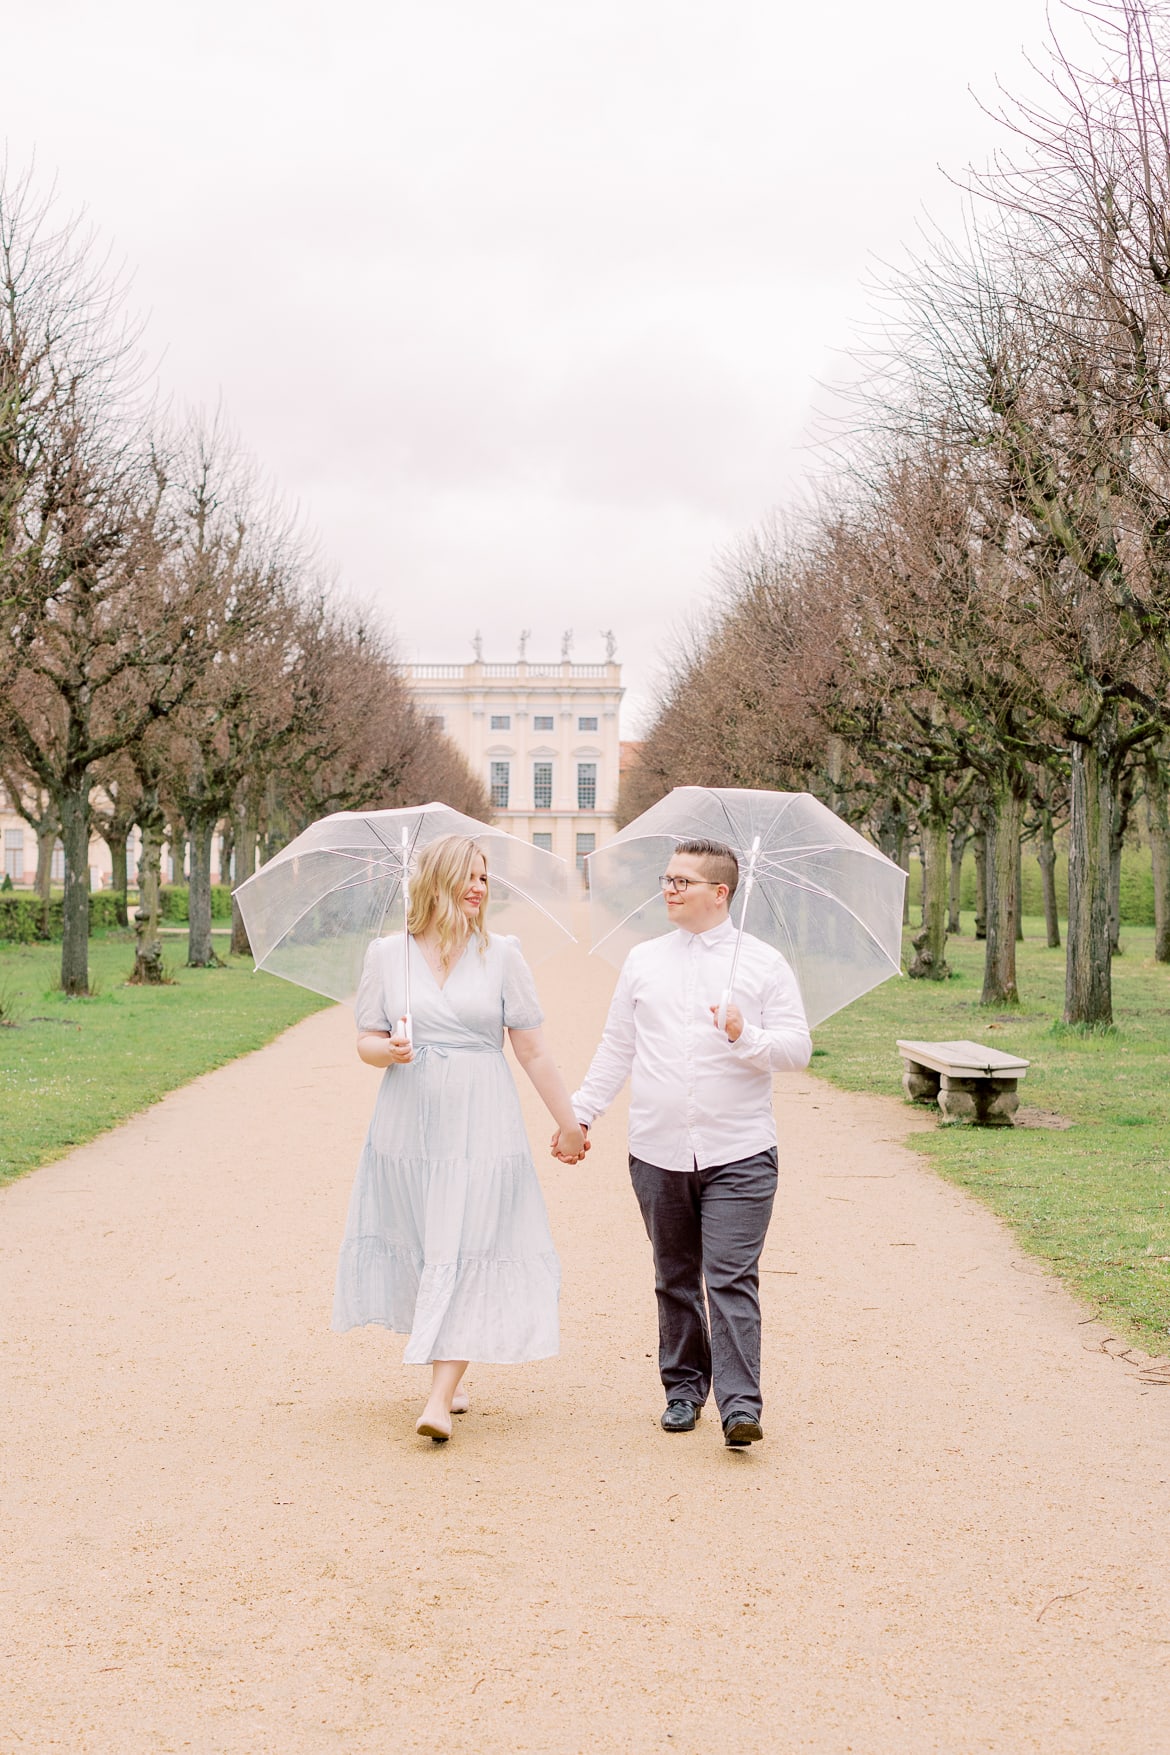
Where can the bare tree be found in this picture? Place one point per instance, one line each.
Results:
(86, 604)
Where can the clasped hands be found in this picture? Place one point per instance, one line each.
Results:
(563, 1142)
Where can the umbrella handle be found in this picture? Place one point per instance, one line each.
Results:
(405, 1027)
(749, 885)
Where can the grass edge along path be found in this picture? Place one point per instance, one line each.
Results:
(1087, 1191)
(70, 1069)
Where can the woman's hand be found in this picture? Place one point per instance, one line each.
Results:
(379, 1048)
(570, 1144)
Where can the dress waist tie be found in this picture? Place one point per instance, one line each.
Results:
(426, 1051)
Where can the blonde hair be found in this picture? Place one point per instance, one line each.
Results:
(437, 886)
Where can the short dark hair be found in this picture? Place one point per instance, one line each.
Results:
(720, 866)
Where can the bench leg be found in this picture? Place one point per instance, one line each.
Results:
(958, 1099)
(986, 1102)
(920, 1083)
(998, 1102)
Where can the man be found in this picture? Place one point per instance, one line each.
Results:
(702, 1132)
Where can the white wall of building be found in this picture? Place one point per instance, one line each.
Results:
(544, 738)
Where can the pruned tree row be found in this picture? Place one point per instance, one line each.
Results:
(170, 659)
(966, 640)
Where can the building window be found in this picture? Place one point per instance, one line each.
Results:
(543, 839)
(587, 724)
(499, 785)
(14, 855)
(542, 785)
(501, 722)
(585, 845)
(543, 722)
(436, 722)
(586, 785)
(57, 868)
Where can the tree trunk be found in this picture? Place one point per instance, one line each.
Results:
(979, 840)
(891, 838)
(1003, 825)
(930, 944)
(116, 840)
(200, 952)
(1158, 819)
(1121, 814)
(148, 969)
(1046, 859)
(959, 842)
(245, 847)
(1088, 982)
(73, 805)
(47, 831)
(227, 848)
(178, 844)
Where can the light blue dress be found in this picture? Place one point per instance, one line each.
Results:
(447, 1238)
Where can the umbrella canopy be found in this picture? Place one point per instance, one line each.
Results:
(313, 910)
(810, 886)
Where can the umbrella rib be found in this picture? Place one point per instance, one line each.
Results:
(636, 909)
(533, 903)
(308, 909)
(735, 833)
(814, 852)
(818, 890)
(777, 917)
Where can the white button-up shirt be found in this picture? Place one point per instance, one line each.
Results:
(697, 1099)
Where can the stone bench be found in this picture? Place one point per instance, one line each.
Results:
(968, 1081)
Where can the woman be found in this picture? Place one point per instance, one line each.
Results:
(447, 1238)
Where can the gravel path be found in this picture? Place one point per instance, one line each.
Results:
(219, 1533)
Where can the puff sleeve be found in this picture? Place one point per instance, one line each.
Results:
(521, 1004)
(369, 1008)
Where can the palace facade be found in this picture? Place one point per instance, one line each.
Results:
(544, 738)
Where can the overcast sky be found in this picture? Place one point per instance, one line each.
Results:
(527, 305)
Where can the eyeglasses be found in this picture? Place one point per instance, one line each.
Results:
(683, 884)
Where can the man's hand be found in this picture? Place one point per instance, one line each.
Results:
(734, 1024)
(563, 1142)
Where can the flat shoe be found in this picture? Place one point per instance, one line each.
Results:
(740, 1429)
(429, 1429)
(680, 1416)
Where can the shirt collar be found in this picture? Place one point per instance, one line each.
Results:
(714, 935)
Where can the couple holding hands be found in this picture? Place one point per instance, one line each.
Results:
(447, 1239)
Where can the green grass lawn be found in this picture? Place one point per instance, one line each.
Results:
(1094, 1200)
(70, 1068)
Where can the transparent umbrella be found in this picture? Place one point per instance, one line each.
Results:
(809, 885)
(313, 910)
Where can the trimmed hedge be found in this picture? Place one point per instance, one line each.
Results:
(173, 900)
(24, 919)
(1137, 885)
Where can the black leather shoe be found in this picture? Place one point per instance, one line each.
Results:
(680, 1417)
(741, 1428)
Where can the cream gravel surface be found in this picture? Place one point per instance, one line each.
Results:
(220, 1533)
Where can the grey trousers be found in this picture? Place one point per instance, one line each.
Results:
(707, 1228)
